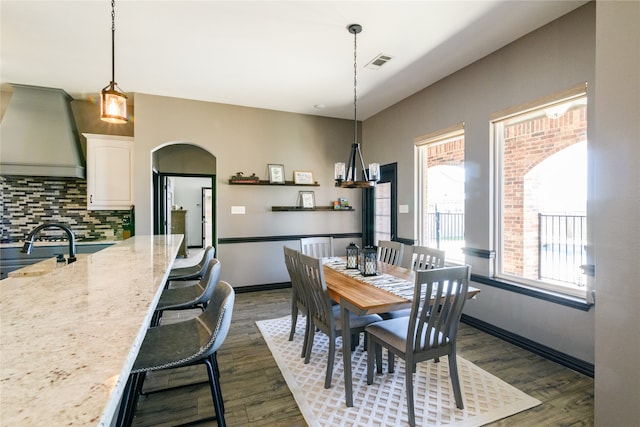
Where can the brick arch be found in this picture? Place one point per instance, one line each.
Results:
(528, 143)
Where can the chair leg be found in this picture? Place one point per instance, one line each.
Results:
(371, 357)
(330, 360)
(216, 370)
(455, 380)
(312, 332)
(306, 335)
(378, 353)
(294, 319)
(391, 362)
(216, 393)
(409, 385)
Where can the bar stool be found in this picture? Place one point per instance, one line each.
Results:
(189, 297)
(187, 343)
(192, 272)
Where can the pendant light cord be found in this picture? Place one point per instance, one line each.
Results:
(355, 83)
(113, 42)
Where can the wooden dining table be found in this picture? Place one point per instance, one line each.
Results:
(358, 297)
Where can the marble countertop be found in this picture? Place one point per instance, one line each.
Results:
(61, 243)
(70, 336)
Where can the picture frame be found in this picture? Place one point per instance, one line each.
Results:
(302, 177)
(276, 173)
(306, 199)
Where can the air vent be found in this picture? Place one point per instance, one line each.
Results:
(378, 62)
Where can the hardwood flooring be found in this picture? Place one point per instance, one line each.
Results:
(256, 394)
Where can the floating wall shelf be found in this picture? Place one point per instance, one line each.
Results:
(300, 209)
(263, 182)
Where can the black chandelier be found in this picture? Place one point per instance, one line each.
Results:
(345, 175)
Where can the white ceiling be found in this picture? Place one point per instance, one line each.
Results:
(280, 55)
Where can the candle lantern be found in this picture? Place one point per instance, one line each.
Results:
(368, 262)
(352, 255)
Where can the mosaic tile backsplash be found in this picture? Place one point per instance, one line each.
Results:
(27, 202)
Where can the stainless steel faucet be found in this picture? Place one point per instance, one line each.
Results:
(28, 244)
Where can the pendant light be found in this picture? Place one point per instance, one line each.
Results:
(113, 102)
(346, 175)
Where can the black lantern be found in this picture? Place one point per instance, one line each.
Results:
(368, 262)
(352, 256)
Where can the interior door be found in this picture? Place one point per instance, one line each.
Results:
(386, 204)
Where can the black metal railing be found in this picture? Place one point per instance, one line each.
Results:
(561, 242)
(561, 247)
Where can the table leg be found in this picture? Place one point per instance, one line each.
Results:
(346, 352)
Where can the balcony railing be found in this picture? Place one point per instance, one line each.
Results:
(561, 242)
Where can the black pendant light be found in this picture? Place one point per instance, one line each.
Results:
(113, 102)
(346, 175)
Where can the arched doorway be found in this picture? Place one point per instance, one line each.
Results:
(184, 180)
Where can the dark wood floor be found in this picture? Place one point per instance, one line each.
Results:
(256, 394)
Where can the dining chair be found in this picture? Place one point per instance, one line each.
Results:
(423, 258)
(319, 247)
(298, 295)
(426, 258)
(390, 252)
(195, 271)
(187, 343)
(189, 297)
(326, 317)
(428, 333)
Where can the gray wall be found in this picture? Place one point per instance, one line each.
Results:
(617, 209)
(247, 139)
(548, 60)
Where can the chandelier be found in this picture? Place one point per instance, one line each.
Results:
(346, 175)
(113, 102)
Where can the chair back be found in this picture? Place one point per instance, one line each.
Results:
(390, 252)
(194, 271)
(426, 258)
(209, 281)
(207, 256)
(318, 247)
(293, 267)
(312, 273)
(433, 322)
(216, 319)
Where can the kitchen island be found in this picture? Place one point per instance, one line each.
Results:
(68, 338)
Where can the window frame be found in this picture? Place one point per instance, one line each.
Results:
(497, 137)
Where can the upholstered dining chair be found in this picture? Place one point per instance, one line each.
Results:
(326, 317)
(189, 297)
(390, 252)
(318, 247)
(298, 295)
(429, 332)
(195, 271)
(187, 343)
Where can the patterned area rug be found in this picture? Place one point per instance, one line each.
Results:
(486, 397)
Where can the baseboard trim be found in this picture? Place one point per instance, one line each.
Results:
(266, 287)
(564, 359)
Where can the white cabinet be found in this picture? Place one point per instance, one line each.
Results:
(109, 172)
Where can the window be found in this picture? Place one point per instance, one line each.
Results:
(541, 154)
(441, 192)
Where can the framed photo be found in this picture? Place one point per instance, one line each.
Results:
(306, 199)
(302, 177)
(276, 174)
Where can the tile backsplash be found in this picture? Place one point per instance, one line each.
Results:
(27, 202)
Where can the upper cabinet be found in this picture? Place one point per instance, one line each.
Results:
(109, 172)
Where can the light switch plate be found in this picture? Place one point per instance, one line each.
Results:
(237, 210)
(403, 208)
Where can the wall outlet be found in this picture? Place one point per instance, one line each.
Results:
(403, 208)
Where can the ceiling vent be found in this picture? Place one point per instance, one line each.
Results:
(378, 62)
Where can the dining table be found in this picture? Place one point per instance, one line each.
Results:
(390, 289)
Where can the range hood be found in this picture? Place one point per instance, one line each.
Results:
(38, 135)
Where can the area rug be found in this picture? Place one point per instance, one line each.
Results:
(486, 397)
